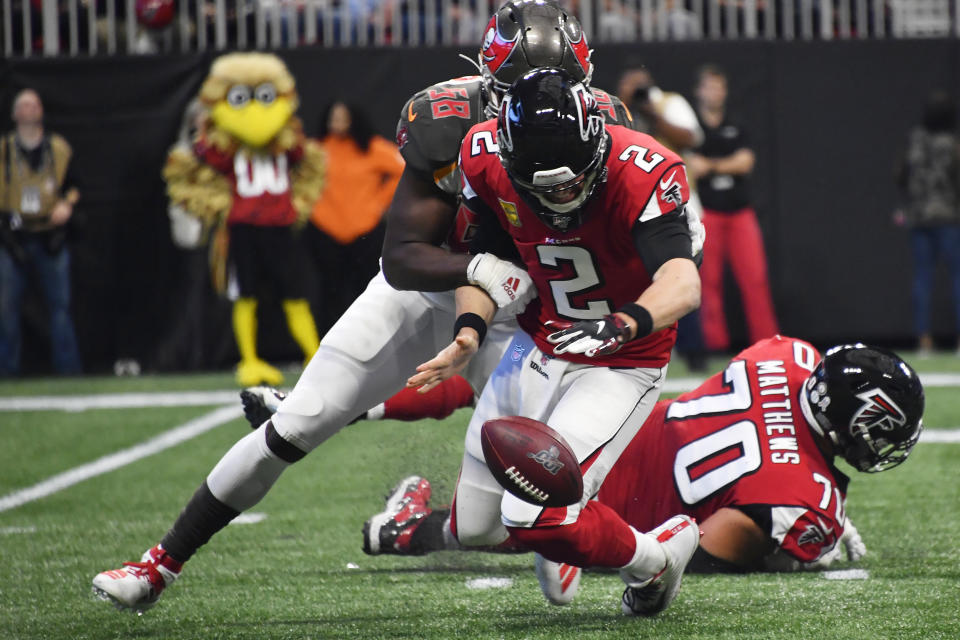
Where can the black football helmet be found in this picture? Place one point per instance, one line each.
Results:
(526, 34)
(553, 145)
(868, 403)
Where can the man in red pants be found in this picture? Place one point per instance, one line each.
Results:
(721, 167)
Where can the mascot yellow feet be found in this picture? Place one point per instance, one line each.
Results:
(252, 370)
(251, 373)
(302, 328)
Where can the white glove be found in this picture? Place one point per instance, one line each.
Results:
(698, 233)
(509, 285)
(852, 541)
(186, 230)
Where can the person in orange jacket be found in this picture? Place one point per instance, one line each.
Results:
(345, 238)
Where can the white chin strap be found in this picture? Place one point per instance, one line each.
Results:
(573, 205)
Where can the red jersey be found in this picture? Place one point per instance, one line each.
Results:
(590, 271)
(738, 440)
(261, 184)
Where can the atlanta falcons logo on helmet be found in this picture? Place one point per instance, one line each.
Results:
(878, 410)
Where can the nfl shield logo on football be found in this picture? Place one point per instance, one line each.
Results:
(510, 210)
(517, 354)
(402, 137)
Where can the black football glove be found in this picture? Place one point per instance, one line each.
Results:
(589, 337)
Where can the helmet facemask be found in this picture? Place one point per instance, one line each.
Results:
(553, 145)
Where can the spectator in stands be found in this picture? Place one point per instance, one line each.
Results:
(721, 166)
(346, 233)
(616, 22)
(930, 182)
(668, 117)
(37, 196)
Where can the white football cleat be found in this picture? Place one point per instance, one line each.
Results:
(678, 537)
(138, 585)
(559, 581)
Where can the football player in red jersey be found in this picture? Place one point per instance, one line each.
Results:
(370, 351)
(595, 213)
(750, 454)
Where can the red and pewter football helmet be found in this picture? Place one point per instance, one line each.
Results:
(868, 403)
(527, 34)
(155, 14)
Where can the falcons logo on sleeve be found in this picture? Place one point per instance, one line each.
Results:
(877, 410)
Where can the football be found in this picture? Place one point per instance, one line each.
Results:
(531, 461)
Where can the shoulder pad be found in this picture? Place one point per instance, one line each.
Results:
(613, 109)
(434, 121)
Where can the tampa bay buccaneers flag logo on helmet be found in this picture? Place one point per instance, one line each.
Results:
(878, 410)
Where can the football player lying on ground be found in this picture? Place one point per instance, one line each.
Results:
(392, 326)
(749, 454)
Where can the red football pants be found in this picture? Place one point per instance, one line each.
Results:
(735, 239)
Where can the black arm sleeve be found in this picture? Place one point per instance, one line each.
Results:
(662, 239)
(490, 237)
(760, 514)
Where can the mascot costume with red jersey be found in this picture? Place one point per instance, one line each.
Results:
(252, 177)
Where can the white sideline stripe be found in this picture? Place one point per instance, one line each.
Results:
(846, 574)
(119, 401)
(930, 380)
(940, 379)
(9, 531)
(227, 396)
(113, 461)
(249, 517)
(940, 435)
(489, 583)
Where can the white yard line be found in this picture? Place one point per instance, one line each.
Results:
(119, 401)
(930, 380)
(113, 461)
(940, 435)
(228, 396)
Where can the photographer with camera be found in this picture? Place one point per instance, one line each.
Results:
(669, 118)
(37, 196)
(665, 115)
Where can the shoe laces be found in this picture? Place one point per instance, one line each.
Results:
(149, 571)
(411, 508)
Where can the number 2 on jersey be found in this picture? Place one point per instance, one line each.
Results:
(585, 280)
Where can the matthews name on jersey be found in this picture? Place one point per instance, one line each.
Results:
(589, 271)
(739, 440)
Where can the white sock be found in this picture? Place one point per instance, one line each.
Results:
(648, 560)
(377, 412)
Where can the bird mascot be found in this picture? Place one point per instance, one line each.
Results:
(251, 178)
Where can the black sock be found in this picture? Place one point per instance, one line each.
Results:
(429, 535)
(203, 516)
